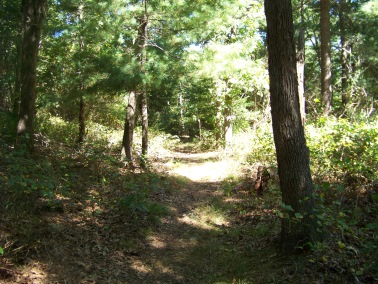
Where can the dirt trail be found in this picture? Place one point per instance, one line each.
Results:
(200, 167)
(206, 235)
(171, 254)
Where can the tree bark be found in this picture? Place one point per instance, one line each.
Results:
(292, 152)
(143, 46)
(81, 137)
(81, 117)
(128, 133)
(218, 121)
(181, 105)
(17, 85)
(325, 46)
(344, 54)
(33, 12)
(227, 126)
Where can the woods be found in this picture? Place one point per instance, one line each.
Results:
(101, 101)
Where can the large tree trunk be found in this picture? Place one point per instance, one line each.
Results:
(292, 152)
(325, 46)
(128, 133)
(33, 12)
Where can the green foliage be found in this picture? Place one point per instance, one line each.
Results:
(1, 251)
(343, 148)
(260, 144)
(8, 122)
(346, 247)
(138, 202)
(56, 128)
(24, 174)
(228, 184)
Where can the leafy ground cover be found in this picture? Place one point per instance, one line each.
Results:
(75, 214)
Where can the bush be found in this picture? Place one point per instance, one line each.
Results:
(343, 149)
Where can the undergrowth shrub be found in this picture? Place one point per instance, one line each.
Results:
(56, 128)
(350, 229)
(344, 159)
(341, 149)
(138, 201)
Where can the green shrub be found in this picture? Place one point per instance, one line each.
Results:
(341, 148)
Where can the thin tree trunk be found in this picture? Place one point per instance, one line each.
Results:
(81, 137)
(325, 38)
(344, 54)
(181, 105)
(218, 121)
(33, 12)
(143, 45)
(17, 85)
(227, 126)
(292, 152)
(128, 133)
(144, 22)
(199, 127)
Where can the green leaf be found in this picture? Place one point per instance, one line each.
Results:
(375, 198)
(326, 185)
(341, 244)
(1, 251)
(287, 207)
(298, 215)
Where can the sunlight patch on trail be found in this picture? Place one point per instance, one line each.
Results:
(204, 172)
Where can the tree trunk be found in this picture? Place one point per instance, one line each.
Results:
(227, 126)
(33, 12)
(17, 85)
(292, 152)
(128, 133)
(325, 46)
(81, 117)
(218, 121)
(344, 54)
(81, 137)
(199, 127)
(143, 46)
(300, 71)
(181, 105)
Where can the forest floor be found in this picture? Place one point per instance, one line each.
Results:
(183, 221)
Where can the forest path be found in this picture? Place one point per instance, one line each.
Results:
(184, 246)
(185, 221)
(199, 167)
(199, 240)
